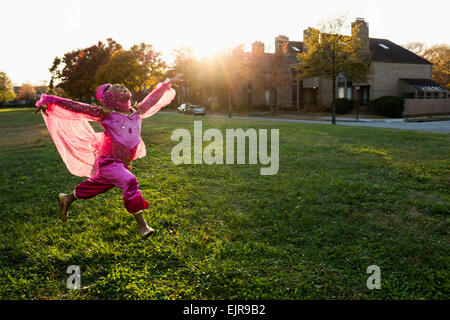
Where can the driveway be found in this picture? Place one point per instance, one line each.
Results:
(435, 126)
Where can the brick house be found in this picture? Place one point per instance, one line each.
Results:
(39, 90)
(270, 77)
(396, 72)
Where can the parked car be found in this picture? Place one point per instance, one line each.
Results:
(196, 110)
(183, 108)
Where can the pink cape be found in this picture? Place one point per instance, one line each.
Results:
(77, 142)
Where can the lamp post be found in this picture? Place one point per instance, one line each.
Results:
(357, 101)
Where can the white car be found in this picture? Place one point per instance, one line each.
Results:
(182, 108)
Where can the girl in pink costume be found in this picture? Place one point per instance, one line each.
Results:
(103, 157)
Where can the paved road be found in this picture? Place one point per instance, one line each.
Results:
(435, 126)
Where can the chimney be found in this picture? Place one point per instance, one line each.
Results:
(258, 48)
(360, 30)
(281, 44)
(237, 51)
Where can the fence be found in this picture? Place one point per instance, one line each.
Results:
(426, 106)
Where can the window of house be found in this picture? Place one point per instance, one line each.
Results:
(420, 94)
(365, 95)
(436, 95)
(341, 81)
(349, 93)
(267, 97)
(429, 95)
(443, 95)
(341, 86)
(294, 93)
(383, 46)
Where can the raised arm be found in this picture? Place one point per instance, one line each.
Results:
(158, 98)
(152, 98)
(94, 111)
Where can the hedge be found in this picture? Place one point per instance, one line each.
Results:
(389, 106)
(343, 105)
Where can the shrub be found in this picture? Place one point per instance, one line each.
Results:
(389, 106)
(343, 105)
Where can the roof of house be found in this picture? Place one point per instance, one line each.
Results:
(298, 45)
(427, 85)
(383, 50)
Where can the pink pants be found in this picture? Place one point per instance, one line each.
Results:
(113, 173)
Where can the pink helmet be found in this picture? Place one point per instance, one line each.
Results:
(113, 100)
(101, 90)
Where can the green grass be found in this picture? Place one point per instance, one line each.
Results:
(344, 198)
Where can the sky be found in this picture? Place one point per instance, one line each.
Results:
(34, 32)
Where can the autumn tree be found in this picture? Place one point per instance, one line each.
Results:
(216, 79)
(329, 54)
(416, 47)
(6, 88)
(75, 71)
(185, 63)
(27, 93)
(139, 68)
(439, 55)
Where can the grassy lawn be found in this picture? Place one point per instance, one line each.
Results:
(344, 198)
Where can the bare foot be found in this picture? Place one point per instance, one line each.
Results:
(144, 230)
(65, 200)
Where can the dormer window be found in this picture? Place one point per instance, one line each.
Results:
(383, 46)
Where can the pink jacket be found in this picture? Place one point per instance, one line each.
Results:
(80, 146)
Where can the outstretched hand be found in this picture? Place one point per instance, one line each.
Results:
(42, 108)
(176, 79)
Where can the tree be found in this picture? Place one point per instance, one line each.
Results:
(6, 88)
(439, 55)
(27, 93)
(216, 79)
(416, 47)
(138, 69)
(51, 90)
(330, 54)
(185, 63)
(75, 71)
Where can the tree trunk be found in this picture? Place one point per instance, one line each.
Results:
(357, 104)
(333, 104)
(229, 104)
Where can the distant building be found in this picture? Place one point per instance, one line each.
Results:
(396, 72)
(39, 90)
